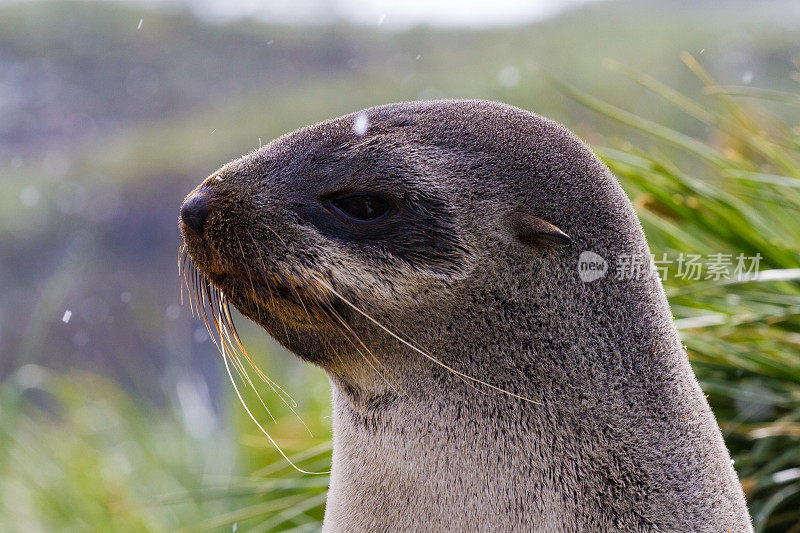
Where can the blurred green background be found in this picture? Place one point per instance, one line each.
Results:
(115, 409)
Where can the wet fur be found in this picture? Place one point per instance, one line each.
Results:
(620, 437)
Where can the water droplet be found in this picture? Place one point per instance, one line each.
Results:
(93, 310)
(31, 376)
(173, 312)
(509, 76)
(29, 196)
(80, 338)
(200, 335)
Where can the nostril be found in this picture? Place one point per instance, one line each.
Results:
(194, 212)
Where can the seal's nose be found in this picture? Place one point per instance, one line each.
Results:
(194, 212)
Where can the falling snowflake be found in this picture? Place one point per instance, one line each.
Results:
(200, 335)
(29, 196)
(173, 312)
(509, 76)
(67, 316)
(361, 124)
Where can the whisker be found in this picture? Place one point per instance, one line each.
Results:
(190, 287)
(266, 378)
(340, 319)
(261, 268)
(277, 389)
(355, 336)
(419, 351)
(181, 258)
(246, 376)
(292, 290)
(253, 418)
(206, 299)
(249, 276)
(313, 293)
(229, 343)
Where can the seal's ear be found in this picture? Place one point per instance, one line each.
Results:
(532, 230)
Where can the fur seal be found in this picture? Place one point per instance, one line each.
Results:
(428, 261)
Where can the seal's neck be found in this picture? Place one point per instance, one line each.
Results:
(617, 433)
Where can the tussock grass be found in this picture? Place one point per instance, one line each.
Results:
(78, 453)
(735, 191)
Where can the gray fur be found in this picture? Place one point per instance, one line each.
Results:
(621, 437)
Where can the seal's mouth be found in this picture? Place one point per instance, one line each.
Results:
(266, 294)
(255, 285)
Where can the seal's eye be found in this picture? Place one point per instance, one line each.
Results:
(362, 207)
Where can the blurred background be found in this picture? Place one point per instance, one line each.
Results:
(115, 409)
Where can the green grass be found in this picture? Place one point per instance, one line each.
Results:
(78, 461)
(734, 191)
(79, 454)
(710, 169)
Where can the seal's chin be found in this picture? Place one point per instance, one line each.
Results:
(268, 302)
(255, 293)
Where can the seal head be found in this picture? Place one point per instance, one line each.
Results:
(426, 256)
(393, 218)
